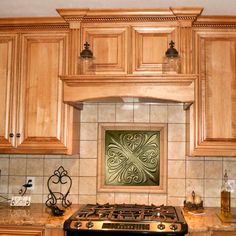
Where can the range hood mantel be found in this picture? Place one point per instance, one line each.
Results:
(81, 88)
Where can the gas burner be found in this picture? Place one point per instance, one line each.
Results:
(102, 219)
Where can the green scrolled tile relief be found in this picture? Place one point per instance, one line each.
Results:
(132, 158)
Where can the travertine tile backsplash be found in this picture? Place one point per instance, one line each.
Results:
(201, 174)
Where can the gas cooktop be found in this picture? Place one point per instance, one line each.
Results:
(133, 219)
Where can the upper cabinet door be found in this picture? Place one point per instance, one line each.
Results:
(41, 113)
(109, 46)
(216, 100)
(8, 53)
(149, 45)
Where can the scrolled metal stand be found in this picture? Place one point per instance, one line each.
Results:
(60, 176)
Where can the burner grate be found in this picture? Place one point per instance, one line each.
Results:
(101, 220)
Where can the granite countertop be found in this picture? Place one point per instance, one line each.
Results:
(40, 215)
(208, 221)
(34, 215)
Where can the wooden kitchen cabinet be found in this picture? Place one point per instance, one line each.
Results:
(214, 113)
(21, 231)
(109, 45)
(30, 231)
(149, 45)
(8, 58)
(116, 52)
(35, 119)
(54, 232)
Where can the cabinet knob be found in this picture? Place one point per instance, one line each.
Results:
(11, 135)
(18, 135)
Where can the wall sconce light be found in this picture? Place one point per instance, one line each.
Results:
(86, 65)
(172, 59)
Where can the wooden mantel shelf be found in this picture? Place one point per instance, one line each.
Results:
(174, 87)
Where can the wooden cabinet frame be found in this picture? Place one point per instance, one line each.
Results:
(34, 118)
(212, 118)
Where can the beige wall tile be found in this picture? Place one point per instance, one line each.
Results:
(230, 166)
(88, 167)
(74, 188)
(157, 199)
(195, 169)
(212, 188)
(32, 156)
(122, 198)
(213, 158)
(53, 187)
(34, 167)
(87, 185)
(37, 198)
(158, 113)
(233, 202)
(89, 113)
(71, 166)
(124, 112)
(15, 184)
(50, 165)
(213, 169)
(4, 165)
(176, 188)
(103, 198)
(4, 156)
(88, 131)
(176, 169)
(139, 198)
(38, 188)
(17, 166)
(88, 149)
(106, 112)
(176, 132)
(212, 202)
(192, 158)
(4, 184)
(196, 185)
(73, 198)
(176, 201)
(141, 112)
(176, 114)
(176, 150)
(85, 199)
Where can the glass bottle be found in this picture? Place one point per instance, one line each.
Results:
(225, 196)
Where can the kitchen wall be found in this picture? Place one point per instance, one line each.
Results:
(201, 174)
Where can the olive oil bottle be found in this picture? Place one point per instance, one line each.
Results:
(226, 196)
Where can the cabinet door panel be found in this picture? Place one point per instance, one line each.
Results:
(7, 88)
(41, 107)
(109, 46)
(215, 108)
(220, 88)
(21, 232)
(149, 47)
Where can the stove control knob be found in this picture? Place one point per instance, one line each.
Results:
(77, 224)
(161, 226)
(89, 224)
(173, 227)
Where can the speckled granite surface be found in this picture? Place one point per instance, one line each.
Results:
(209, 221)
(35, 215)
(40, 215)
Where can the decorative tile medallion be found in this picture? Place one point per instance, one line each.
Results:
(132, 157)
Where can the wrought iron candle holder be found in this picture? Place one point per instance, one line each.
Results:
(60, 177)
